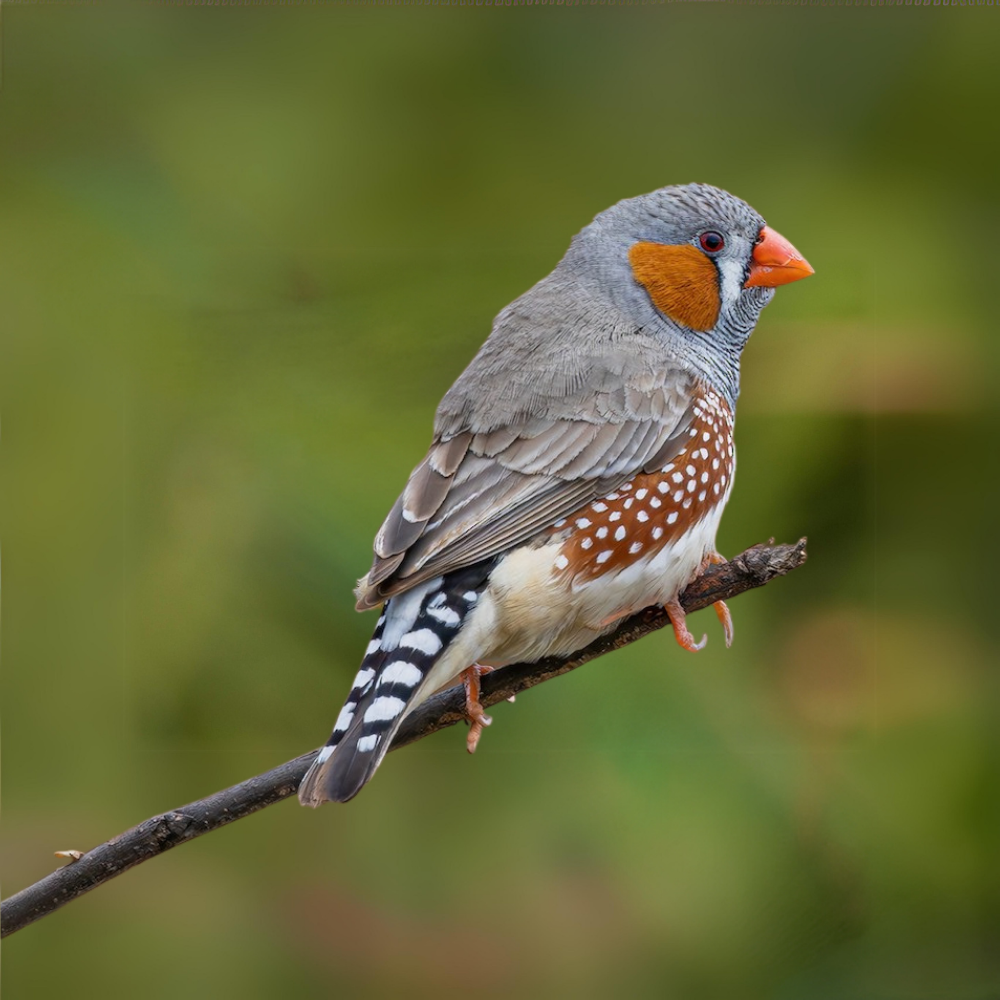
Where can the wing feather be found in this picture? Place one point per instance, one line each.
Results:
(476, 495)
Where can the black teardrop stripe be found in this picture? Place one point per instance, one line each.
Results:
(361, 744)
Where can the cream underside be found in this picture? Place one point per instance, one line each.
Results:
(529, 610)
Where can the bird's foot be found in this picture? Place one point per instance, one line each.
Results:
(679, 621)
(474, 712)
(721, 609)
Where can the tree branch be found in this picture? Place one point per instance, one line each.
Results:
(754, 568)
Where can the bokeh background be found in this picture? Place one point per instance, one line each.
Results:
(244, 251)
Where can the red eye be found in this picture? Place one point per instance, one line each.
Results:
(711, 242)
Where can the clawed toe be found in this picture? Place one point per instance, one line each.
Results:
(679, 619)
(681, 633)
(722, 610)
(474, 712)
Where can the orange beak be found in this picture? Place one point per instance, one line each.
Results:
(776, 262)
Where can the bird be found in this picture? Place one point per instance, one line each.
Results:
(578, 470)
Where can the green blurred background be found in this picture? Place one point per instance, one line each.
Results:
(244, 251)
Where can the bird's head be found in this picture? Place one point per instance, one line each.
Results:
(692, 262)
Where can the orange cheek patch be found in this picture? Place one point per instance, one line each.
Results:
(681, 281)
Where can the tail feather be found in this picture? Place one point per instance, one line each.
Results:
(411, 636)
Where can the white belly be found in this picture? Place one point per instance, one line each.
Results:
(530, 611)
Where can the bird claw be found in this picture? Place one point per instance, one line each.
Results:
(722, 610)
(476, 724)
(679, 621)
(474, 712)
(684, 638)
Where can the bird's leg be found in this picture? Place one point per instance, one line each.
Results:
(473, 708)
(679, 621)
(721, 609)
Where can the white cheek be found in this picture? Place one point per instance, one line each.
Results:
(731, 272)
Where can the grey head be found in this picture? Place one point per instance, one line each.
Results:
(601, 258)
(652, 292)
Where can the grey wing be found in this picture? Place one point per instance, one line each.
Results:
(479, 493)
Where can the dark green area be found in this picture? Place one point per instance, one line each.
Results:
(242, 254)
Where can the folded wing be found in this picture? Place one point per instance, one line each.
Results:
(478, 493)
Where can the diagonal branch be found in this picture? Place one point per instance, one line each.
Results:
(754, 568)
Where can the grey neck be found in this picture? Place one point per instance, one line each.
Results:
(716, 355)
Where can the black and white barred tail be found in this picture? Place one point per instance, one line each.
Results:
(411, 636)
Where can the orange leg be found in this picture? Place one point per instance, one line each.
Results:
(473, 708)
(727, 621)
(721, 610)
(679, 621)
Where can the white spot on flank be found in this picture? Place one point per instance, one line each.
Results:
(687, 503)
(704, 477)
(678, 477)
(692, 432)
(701, 496)
(367, 743)
(690, 470)
(706, 436)
(344, 719)
(585, 543)
(423, 640)
(691, 485)
(715, 463)
(678, 496)
(664, 487)
(641, 515)
(658, 531)
(628, 503)
(641, 494)
(384, 708)
(399, 672)
(634, 547)
(601, 532)
(615, 515)
(654, 501)
(561, 562)
(715, 488)
(620, 533)
(559, 523)
(604, 556)
(671, 517)
(599, 507)
(582, 522)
